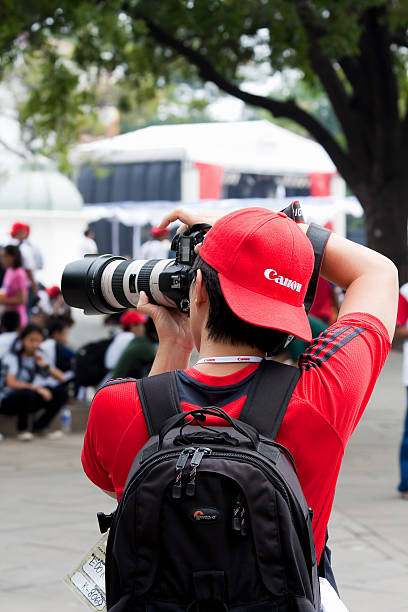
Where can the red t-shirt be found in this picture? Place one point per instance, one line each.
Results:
(339, 371)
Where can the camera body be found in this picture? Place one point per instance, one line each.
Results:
(104, 284)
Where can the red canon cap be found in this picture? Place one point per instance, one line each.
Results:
(264, 263)
(131, 317)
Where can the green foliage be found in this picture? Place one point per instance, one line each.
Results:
(77, 56)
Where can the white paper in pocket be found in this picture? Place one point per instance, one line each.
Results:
(329, 599)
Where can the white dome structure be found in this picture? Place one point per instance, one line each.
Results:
(39, 190)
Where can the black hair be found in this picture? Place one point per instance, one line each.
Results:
(57, 325)
(224, 326)
(29, 329)
(10, 321)
(15, 253)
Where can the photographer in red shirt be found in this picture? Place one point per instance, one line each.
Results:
(246, 294)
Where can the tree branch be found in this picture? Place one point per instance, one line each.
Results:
(351, 69)
(399, 38)
(339, 99)
(288, 109)
(4, 144)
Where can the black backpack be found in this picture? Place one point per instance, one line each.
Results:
(213, 518)
(90, 363)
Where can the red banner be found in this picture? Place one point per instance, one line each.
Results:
(210, 180)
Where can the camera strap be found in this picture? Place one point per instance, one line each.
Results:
(318, 237)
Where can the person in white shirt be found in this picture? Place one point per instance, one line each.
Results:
(129, 321)
(56, 351)
(158, 246)
(10, 323)
(88, 245)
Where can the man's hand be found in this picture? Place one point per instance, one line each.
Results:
(188, 218)
(45, 393)
(172, 326)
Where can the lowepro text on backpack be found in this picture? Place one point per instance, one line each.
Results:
(213, 518)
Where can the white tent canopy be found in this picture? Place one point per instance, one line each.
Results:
(259, 147)
(319, 210)
(138, 214)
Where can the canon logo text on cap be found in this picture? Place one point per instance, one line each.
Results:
(272, 275)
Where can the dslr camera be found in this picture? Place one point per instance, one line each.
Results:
(104, 284)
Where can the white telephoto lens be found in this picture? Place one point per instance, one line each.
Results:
(133, 269)
(106, 283)
(158, 296)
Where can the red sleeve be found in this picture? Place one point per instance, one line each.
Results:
(402, 316)
(340, 369)
(114, 409)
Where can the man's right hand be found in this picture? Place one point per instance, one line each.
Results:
(172, 326)
(189, 218)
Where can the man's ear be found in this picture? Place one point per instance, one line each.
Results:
(201, 295)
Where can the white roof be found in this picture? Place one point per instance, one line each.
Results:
(246, 146)
(39, 190)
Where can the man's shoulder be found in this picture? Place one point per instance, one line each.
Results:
(114, 405)
(116, 386)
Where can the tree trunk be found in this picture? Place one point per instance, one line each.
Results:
(386, 217)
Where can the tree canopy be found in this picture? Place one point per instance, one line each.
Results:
(355, 53)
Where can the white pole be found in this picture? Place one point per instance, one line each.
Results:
(136, 241)
(115, 236)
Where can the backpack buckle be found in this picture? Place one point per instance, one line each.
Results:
(105, 521)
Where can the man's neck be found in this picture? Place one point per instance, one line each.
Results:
(210, 348)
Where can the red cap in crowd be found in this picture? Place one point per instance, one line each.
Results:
(18, 227)
(132, 317)
(265, 262)
(53, 292)
(157, 231)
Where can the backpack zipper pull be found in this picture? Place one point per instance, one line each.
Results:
(236, 519)
(195, 462)
(243, 529)
(180, 465)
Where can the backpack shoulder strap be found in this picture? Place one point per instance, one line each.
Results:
(159, 398)
(269, 396)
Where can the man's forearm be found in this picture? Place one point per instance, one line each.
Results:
(170, 357)
(370, 279)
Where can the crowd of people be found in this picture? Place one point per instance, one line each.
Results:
(38, 369)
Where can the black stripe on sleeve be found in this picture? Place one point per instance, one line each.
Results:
(314, 359)
(316, 348)
(340, 344)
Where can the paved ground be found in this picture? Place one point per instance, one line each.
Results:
(47, 516)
